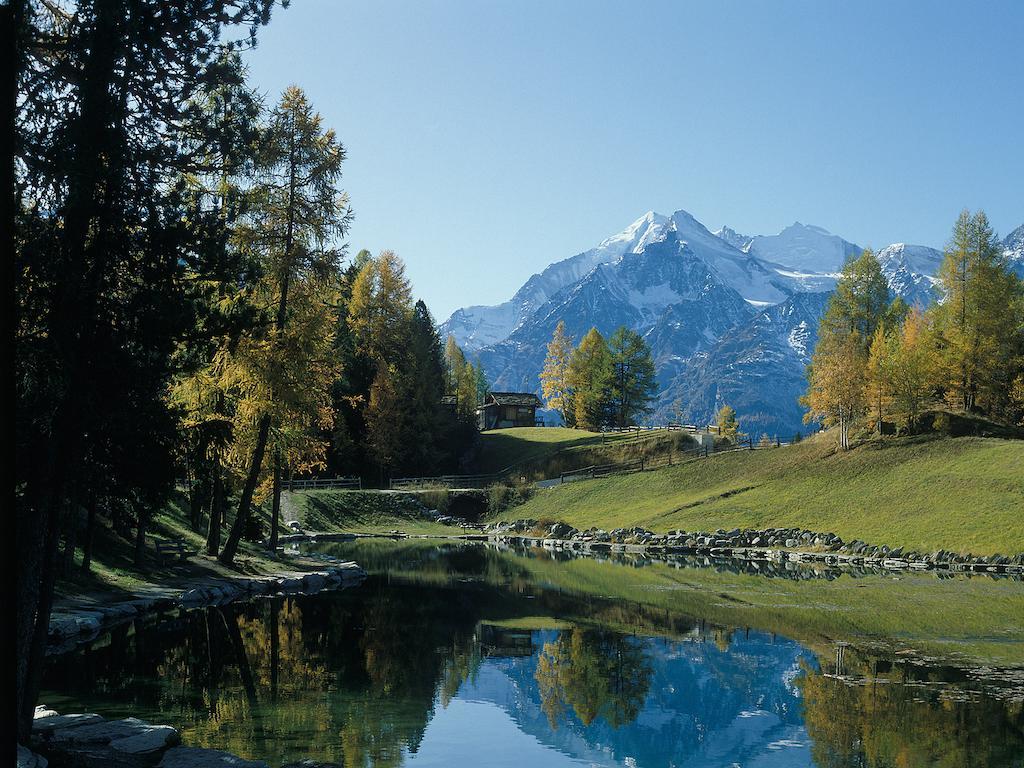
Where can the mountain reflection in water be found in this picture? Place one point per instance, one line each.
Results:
(455, 656)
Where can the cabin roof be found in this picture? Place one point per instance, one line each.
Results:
(512, 398)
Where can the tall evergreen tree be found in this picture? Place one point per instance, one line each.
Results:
(837, 375)
(100, 247)
(633, 383)
(590, 377)
(980, 323)
(297, 215)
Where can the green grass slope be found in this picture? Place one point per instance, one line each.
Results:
(501, 448)
(964, 494)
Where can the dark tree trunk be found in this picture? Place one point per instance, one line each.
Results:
(90, 528)
(227, 556)
(275, 514)
(68, 558)
(216, 512)
(142, 517)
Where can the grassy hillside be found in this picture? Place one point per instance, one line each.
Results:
(963, 494)
(367, 511)
(501, 448)
(539, 453)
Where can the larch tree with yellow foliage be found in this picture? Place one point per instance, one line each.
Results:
(554, 378)
(281, 370)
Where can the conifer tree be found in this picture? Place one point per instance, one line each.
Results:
(878, 384)
(837, 375)
(590, 378)
(297, 214)
(979, 324)
(912, 368)
(633, 382)
(554, 378)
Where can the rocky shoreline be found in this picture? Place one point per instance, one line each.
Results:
(88, 740)
(82, 620)
(770, 544)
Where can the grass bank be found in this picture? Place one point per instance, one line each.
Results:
(962, 494)
(540, 453)
(113, 571)
(369, 511)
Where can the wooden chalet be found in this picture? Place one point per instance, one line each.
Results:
(501, 410)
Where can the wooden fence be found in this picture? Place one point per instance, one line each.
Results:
(324, 483)
(443, 481)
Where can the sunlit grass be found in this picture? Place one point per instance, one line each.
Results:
(963, 494)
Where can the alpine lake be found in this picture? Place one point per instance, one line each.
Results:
(455, 653)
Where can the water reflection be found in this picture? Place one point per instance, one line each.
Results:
(450, 656)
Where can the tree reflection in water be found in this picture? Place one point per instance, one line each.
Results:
(356, 677)
(595, 672)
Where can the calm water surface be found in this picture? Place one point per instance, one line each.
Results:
(457, 655)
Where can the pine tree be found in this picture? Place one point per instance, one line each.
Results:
(590, 379)
(837, 375)
(979, 324)
(554, 378)
(298, 211)
(633, 384)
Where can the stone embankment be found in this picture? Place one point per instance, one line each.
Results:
(779, 544)
(90, 741)
(83, 618)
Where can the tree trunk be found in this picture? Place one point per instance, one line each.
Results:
(68, 558)
(275, 514)
(227, 556)
(90, 527)
(142, 515)
(216, 512)
(34, 618)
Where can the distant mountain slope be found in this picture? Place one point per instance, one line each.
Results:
(729, 317)
(479, 326)
(1013, 247)
(804, 248)
(665, 286)
(757, 368)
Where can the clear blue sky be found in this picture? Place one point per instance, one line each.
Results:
(487, 139)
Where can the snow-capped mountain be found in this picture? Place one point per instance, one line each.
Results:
(910, 271)
(1013, 248)
(729, 317)
(757, 367)
(804, 249)
(665, 288)
(480, 326)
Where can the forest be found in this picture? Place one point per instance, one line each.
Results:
(881, 365)
(186, 311)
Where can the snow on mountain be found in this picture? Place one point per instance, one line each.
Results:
(1013, 248)
(728, 318)
(665, 289)
(757, 367)
(480, 326)
(733, 238)
(804, 249)
(752, 279)
(910, 271)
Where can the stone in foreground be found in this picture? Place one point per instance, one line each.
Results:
(196, 757)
